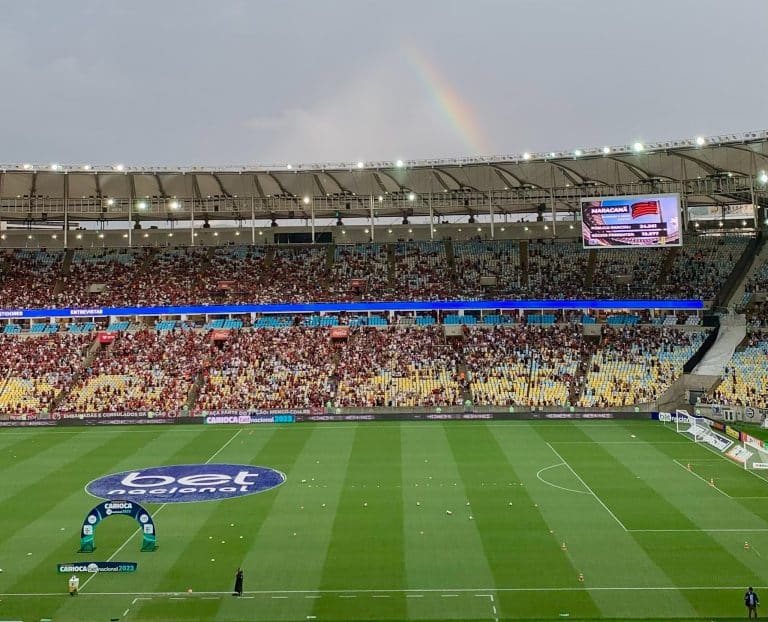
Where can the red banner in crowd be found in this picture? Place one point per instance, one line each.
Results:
(226, 285)
(220, 334)
(339, 332)
(106, 338)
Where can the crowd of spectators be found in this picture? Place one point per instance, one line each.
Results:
(145, 370)
(476, 259)
(395, 367)
(702, 266)
(636, 364)
(270, 368)
(745, 378)
(414, 270)
(35, 369)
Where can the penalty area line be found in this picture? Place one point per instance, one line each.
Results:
(583, 483)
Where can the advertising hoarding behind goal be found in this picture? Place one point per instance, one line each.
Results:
(647, 221)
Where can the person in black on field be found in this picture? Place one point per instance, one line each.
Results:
(751, 601)
(238, 583)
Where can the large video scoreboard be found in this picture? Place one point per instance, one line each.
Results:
(649, 220)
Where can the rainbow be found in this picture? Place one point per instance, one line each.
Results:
(449, 103)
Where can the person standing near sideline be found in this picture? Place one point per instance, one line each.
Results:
(74, 584)
(238, 583)
(751, 600)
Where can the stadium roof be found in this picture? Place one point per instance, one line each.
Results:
(714, 170)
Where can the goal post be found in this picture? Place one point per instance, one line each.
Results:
(700, 430)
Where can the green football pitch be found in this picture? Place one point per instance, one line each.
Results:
(400, 521)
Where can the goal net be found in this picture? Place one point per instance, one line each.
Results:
(700, 430)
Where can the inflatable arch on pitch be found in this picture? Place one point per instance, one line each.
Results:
(117, 508)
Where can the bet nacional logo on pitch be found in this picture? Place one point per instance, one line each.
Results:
(186, 483)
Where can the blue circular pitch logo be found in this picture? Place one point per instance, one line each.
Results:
(186, 483)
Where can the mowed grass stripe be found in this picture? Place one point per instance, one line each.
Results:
(15, 450)
(366, 550)
(596, 545)
(441, 551)
(517, 541)
(166, 447)
(275, 558)
(688, 559)
(43, 457)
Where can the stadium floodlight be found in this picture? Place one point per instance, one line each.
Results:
(570, 226)
(86, 167)
(288, 166)
(343, 232)
(101, 236)
(638, 147)
(215, 234)
(170, 235)
(412, 196)
(720, 223)
(479, 229)
(54, 167)
(174, 204)
(125, 235)
(552, 154)
(546, 227)
(119, 168)
(399, 164)
(261, 233)
(743, 223)
(110, 202)
(763, 177)
(146, 235)
(606, 150)
(142, 205)
(701, 141)
(237, 233)
(54, 236)
(306, 200)
(381, 198)
(2, 236)
(526, 156)
(26, 166)
(29, 237)
(503, 228)
(525, 228)
(578, 152)
(367, 231)
(360, 165)
(696, 224)
(389, 230)
(410, 230)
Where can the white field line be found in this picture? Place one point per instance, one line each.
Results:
(627, 588)
(699, 529)
(583, 483)
(158, 510)
(541, 479)
(696, 475)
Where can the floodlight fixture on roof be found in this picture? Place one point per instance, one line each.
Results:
(174, 204)
(289, 166)
(142, 205)
(578, 152)
(110, 202)
(701, 141)
(306, 200)
(411, 196)
(763, 177)
(360, 165)
(638, 147)
(54, 167)
(86, 167)
(399, 164)
(27, 166)
(119, 168)
(526, 156)
(606, 150)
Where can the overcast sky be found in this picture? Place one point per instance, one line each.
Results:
(188, 82)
